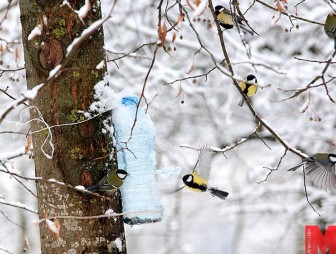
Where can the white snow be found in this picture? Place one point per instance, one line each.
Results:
(100, 65)
(54, 71)
(31, 94)
(105, 97)
(84, 10)
(209, 113)
(52, 180)
(65, 2)
(109, 212)
(118, 244)
(52, 226)
(86, 32)
(35, 32)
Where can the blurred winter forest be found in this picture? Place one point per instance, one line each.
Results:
(191, 99)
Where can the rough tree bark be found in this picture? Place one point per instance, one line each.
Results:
(77, 147)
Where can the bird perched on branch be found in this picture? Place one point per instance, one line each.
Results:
(196, 182)
(320, 167)
(330, 27)
(228, 20)
(249, 88)
(111, 181)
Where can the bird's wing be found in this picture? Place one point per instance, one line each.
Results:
(243, 87)
(323, 177)
(297, 166)
(235, 17)
(203, 162)
(99, 186)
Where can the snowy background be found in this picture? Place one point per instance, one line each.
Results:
(256, 217)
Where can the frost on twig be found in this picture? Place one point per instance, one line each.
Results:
(312, 84)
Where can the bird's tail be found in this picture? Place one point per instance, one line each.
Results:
(241, 102)
(245, 29)
(335, 43)
(218, 193)
(297, 166)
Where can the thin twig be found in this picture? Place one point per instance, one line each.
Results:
(273, 169)
(4, 202)
(306, 193)
(67, 217)
(142, 95)
(192, 77)
(290, 15)
(311, 83)
(51, 181)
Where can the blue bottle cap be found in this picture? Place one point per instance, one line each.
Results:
(130, 100)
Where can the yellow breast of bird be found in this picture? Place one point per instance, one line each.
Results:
(199, 183)
(248, 89)
(225, 18)
(251, 90)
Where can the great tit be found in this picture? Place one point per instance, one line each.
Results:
(330, 27)
(228, 20)
(248, 89)
(111, 181)
(196, 182)
(320, 167)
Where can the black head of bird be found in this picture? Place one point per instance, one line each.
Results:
(195, 182)
(121, 173)
(251, 78)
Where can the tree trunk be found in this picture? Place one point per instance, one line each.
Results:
(79, 147)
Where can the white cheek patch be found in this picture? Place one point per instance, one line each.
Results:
(332, 158)
(189, 179)
(121, 176)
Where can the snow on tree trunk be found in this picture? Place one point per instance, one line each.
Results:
(75, 149)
